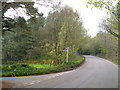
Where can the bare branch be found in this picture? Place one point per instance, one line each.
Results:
(108, 29)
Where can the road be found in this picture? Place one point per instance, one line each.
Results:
(94, 73)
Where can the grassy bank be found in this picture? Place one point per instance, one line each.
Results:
(115, 61)
(38, 69)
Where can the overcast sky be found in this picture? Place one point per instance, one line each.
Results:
(91, 17)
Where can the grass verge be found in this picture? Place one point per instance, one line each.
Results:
(39, 69)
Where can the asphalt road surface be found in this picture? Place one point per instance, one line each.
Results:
(94, 73)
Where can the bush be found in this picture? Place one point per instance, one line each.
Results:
(27, 69)
(18, 69)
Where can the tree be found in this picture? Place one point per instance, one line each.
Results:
(114, 10)
(27, 7)
(36, 24)
(40, 37)
(8, 23)
(64, 30)
(16, 44)
(18, 37)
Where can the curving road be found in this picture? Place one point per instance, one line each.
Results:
(94, 73)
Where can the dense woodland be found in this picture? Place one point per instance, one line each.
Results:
(46, 38)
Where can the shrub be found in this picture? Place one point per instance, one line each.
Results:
(32, 69)
(18, 69)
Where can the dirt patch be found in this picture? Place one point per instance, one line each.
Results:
(6, 84)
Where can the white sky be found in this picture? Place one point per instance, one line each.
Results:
(91, 17)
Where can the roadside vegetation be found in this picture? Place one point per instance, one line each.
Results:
(40, 45)
(102, 45)
(108, 40)
(39, 68)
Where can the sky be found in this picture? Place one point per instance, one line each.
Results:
(91, 17)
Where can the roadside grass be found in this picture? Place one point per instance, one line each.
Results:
(115, 61)
(40, 65)
(38, 69)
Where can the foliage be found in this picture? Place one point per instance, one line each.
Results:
(31, 69)
(40, 65)
(113, 7)
(111, 24)
(65, 30)
(103, 44)
(20, 44)
(110, 5)
(8, 23)
(15, 70)
(38, 38)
